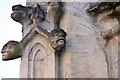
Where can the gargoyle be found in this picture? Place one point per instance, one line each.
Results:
(30, 15)
(13, 49)
(57, 39)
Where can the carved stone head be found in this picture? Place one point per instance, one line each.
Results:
(21, 13)
(58, 39)
(11, 50)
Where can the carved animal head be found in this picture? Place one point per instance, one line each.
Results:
(11, 50)
(58, 39)
(21, 13)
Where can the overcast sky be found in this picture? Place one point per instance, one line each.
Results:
(9, 30)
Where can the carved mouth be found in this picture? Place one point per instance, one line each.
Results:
(60, 41)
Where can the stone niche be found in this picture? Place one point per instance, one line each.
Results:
(38, 59)
(87, 53)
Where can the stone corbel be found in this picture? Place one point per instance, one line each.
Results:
(57, 39)
(57, 35)
(13, 49)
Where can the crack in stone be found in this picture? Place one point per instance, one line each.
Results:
(107, 61)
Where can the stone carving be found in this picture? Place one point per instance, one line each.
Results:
(58, 39)
(11, 50)
(22, 14)
(103, 6)
(35, 15)
(107, 10)
(104, 9)
(54, 12)
(111, 32)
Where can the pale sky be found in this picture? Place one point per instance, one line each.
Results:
(9, 30)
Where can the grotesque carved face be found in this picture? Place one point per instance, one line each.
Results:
(58, 39)
(21, 13)
(11, 50)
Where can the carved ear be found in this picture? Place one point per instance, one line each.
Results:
(32, 17)
(39, 13)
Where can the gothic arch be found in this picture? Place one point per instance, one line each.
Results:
(37, 61)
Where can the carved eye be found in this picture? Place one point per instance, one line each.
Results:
(30, 16)
(57, 34)
(52, 36)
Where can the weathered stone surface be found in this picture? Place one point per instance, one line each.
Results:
(87, 54)
(85, 58)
